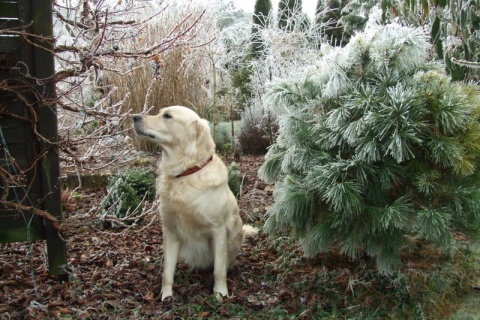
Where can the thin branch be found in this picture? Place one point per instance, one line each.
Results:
(39, 212)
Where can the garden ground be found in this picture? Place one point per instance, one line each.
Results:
(115, 274)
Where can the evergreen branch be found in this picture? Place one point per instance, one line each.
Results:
(434, 225)
(466, 63)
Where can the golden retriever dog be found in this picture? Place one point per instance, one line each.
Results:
(200, 217)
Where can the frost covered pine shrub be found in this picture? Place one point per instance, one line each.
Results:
(126, 191)
(376, 145)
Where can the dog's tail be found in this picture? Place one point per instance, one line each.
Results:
(249, 231)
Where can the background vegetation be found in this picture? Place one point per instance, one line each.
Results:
(372, 144)
(369, 113)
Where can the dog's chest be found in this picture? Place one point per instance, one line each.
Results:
(183, 207)
(180, 191)
(186, 222)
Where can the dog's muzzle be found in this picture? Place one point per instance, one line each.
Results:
(138, 125)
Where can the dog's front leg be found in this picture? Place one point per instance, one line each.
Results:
(171, 248)
(220, 265)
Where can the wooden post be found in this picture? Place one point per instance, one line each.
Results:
(47, 127)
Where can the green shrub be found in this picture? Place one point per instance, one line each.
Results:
(126, 190)
(234, 180)
(223, 135)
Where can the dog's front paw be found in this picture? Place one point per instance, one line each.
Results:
(166, 292)
(219, 297)
(167, 302)
(166, 295)
(223, 290)
(220, 292)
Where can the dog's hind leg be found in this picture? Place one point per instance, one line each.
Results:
(171, 248)
(220, 266)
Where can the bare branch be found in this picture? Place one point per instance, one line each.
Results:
(22, 208)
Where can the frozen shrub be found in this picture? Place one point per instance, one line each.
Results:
(376, 146)
(126, 191)
(257, 134)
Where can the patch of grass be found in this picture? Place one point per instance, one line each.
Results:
(470, 309)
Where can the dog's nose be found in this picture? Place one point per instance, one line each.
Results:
(136, 117)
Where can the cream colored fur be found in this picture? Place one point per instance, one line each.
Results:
(200, 216)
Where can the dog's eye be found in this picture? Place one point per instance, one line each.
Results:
(167, 116)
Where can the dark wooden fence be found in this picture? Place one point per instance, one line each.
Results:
(29, 163)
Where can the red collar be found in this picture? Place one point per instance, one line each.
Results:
(194, 169)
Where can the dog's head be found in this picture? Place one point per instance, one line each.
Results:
(177, 129)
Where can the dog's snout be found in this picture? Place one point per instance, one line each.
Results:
(137, 117)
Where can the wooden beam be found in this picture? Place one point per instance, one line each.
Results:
(47, 127)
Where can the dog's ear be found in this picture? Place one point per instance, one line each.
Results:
(199, 140)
